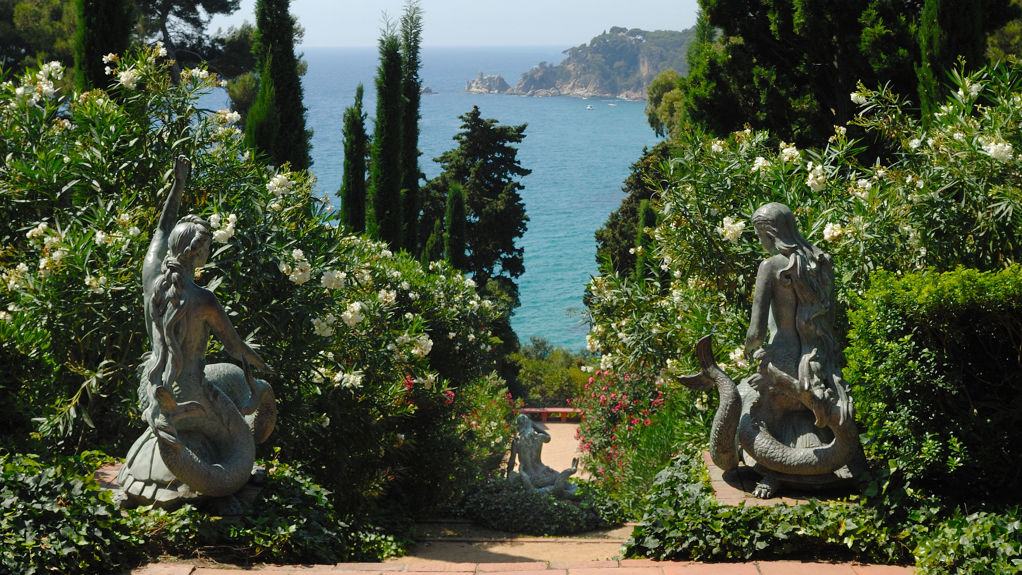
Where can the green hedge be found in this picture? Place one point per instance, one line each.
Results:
(935, 363)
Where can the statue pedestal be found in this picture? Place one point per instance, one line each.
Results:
(736, 486)
(106, 476)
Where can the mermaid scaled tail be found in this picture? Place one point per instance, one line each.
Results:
(204, 447)
(737, 417)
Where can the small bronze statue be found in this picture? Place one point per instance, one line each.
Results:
(527, 447)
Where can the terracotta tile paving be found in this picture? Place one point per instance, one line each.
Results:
(804, 568)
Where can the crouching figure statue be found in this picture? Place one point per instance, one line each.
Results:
(204, 421)
(792, 421)
(534, 474)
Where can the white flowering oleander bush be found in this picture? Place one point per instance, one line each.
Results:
(376, 357)
(923, 195)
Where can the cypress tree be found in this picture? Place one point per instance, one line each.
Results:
(104, 27)
(262, 122)
(454, 219)
(433, 248)
(647, 218)
(274, 48)
(353, 186)
(411, 89)
(385, 221)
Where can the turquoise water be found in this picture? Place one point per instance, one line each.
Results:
(579, 158)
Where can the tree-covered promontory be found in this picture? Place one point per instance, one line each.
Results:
(617, 63)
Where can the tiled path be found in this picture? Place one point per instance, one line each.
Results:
(623, 567)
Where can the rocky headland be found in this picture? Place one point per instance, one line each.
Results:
(619, 63)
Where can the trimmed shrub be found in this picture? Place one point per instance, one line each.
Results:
(507, 505)
(935, 368)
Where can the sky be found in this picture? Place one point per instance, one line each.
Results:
(478, 22)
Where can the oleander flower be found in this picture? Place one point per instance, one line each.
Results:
(737, 357)
(333, 279)
(858, 98)
(323, 327)
(422, 346)
(128, 78)
(731, 229)
(352, 315)
(789, 153)
(759, 164)
(833, 232)
(817, 180)
(279, 185)
(998, 150)
(387, 297)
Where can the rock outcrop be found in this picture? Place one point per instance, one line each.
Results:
(494, 84)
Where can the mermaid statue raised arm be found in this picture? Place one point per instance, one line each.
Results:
(203, 420)
(793, 420)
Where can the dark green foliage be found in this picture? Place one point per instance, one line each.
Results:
(949, 31)
(24, 348)
(104, 27)
(788, 66)
(384, 220)
(934, 366)
(353, 187)
(550, 376)
(506, 505)
(274, 49)
(262, 122)
(54, 517)
(181, 26)
(411, 88)
(33, 31)
(972, 543)
(486, 164)
(454, 218)
(433, 249)
(643, 243)
(684, 521)
(292, 520)
(615, 240)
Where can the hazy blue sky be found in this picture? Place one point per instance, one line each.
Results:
(480, 22)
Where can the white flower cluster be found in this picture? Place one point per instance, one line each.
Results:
(300, 272)
(737, 357)
(353, 314)
(858, 98)
(96, 285)
(422, 346)
(324, 326)
(161, 50)
(833, 232)
(973, 89)
(349, 380)
(817, 180)
(790, 154)
(128, 78)
(227, 117)
(16, 278)
(222, 233)
(861, 189)
(731, 229)
(759, 164)
(998, 150)
(279, 185)
(333, 279)
(43, 86)
(387, 296)
(717, 146)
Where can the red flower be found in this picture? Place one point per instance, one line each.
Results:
(450, 397)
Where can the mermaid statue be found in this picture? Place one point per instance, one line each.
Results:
(527, 447)
(203, 421)
(792, 421)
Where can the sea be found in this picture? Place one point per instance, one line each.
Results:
(579, 151)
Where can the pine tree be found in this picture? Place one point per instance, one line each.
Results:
(353, 187)
(411, 88)
(454, 237)
(275, 51)
(385, 221)
(104, 27)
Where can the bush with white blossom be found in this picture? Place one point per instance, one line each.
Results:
(375, 355)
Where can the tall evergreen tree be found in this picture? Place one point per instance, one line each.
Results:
(952, 29)
(275, 51)
(486, 165)
(454, 237)
(353, 186)
(262, 122)
(104, 27)
(411, 89)
(385, 221)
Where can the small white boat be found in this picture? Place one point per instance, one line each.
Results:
(589, 107)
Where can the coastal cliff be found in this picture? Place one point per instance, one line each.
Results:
(619, 63)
